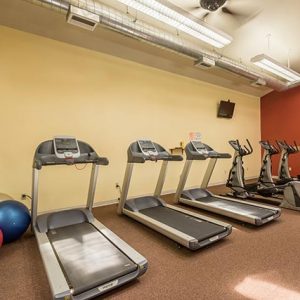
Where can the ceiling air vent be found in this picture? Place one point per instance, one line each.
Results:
(205, 63)
(82, 18)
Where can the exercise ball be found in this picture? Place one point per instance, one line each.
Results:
(14, 220)
(1, 238)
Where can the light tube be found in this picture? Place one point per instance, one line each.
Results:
(269, 64)
(163, 13)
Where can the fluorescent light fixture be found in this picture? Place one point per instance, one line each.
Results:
(271, 65)
(163, 13)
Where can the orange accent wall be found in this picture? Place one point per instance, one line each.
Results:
(280, 119)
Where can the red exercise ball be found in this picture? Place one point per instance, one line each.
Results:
(1, 237)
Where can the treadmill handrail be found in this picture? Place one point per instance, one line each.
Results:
(142, 159)
(219, 155)
(45, 156)
(192, 154)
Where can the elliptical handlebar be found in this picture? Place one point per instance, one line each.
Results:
(273, 150)
(283, 145)
(250, 150)
(242, 150)
(292, 148)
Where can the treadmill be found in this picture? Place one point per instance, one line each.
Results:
(82, 258)
(248, 212)
(184, 227)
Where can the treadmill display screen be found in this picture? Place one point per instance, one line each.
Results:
(66, 144)
(147, 147)
(199, 147)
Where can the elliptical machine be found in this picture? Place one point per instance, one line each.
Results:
(236, 180)
(265, 186)
(265, 182)
(284, 175)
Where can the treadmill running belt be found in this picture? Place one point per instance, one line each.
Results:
(88, 259)
(236, 207)
(197, 228)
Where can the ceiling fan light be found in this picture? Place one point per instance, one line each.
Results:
(212, 5)
(159, 10)
(271, 65)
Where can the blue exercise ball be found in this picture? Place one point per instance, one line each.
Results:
(14, 220)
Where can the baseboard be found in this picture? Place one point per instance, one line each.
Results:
(116, 201)
(106, 202)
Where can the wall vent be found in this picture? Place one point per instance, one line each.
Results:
(82, 18)
(205, 63)
(259, 82)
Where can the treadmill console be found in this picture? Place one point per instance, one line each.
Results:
(200, 147)
(147, 147)
(66, 147)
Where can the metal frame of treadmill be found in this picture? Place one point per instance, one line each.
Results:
(208, 207)
(59, 286)
(176, 235)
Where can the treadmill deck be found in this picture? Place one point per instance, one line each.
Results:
(239, 208)
(197, 228)
(88, 259)
(219, 205)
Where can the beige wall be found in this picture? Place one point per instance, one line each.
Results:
(49, 88)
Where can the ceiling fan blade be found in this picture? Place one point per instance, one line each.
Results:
(237, 14)
(193, 7)
(226, 10)
(204, 16)
(200, 13)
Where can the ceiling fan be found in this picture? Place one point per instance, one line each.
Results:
(226, 7)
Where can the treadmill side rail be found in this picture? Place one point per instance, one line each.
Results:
(170, 232)
(136, 257)
(58, 284)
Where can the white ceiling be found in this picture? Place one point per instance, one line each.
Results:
(276, 19)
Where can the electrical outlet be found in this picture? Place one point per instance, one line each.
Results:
(117, 186)
(23, 197)
(290, 168)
